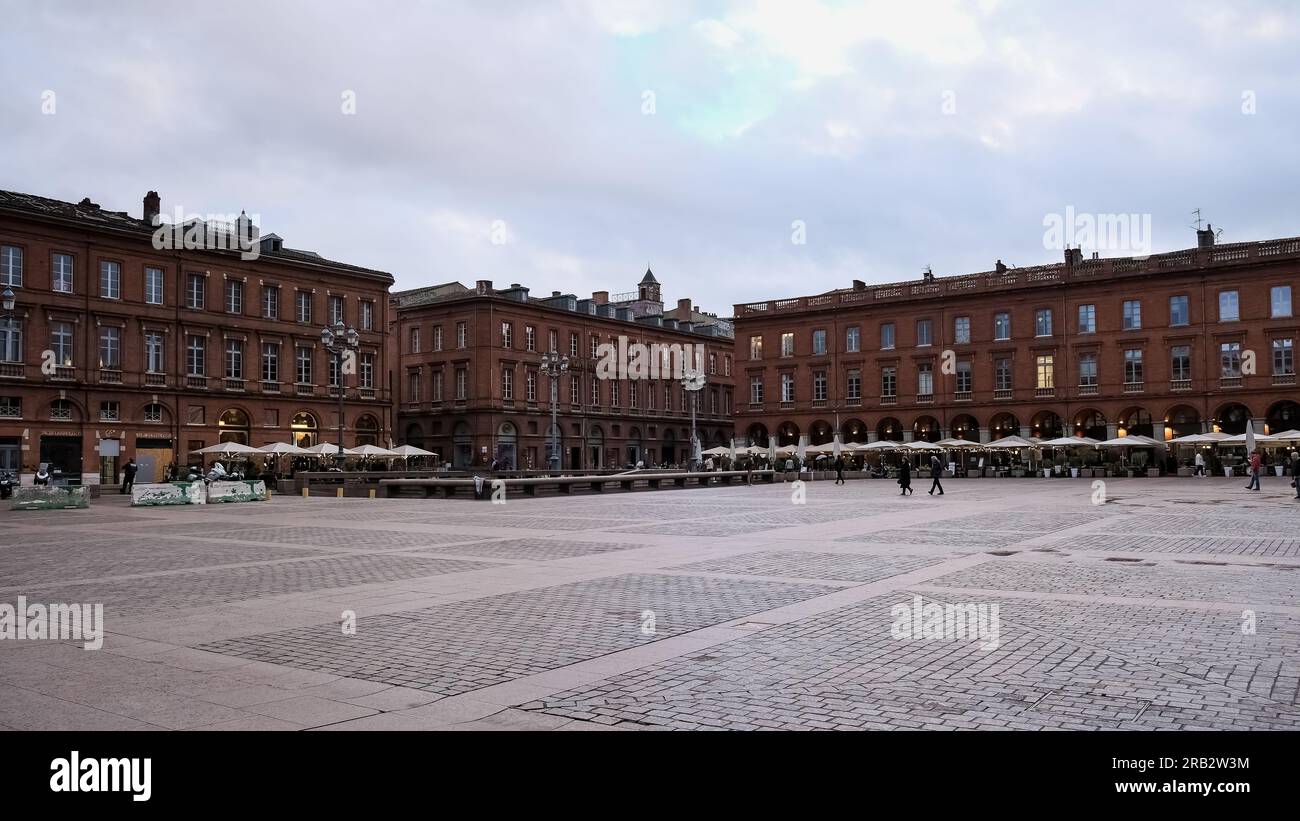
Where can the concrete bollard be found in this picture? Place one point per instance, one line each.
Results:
(372, 493)
(338, 493)
(304, 493)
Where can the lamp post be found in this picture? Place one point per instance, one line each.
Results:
(693, 380)
(339, 339)
(553, 364)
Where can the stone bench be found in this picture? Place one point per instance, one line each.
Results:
(44, 497)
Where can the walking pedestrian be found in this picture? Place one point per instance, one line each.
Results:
(936, 470)
(1200, 465)
(1254, 471)
(128, 475)
(1295, 472)
(905, 477)
(839, 470)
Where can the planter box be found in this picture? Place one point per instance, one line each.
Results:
(221, 492)
(1279, 470)
(1227, 472)
(175, 493)
(1153, 473)
(43, 497)
(1185, 471)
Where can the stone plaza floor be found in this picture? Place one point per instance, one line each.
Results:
(1175, 604)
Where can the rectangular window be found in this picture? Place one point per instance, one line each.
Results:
(1133, 366)
(1087, 370)
(110, 411)
(1283, 358)
(303, 366)
(413, 385)
(366, 370)
(923, 337)
(1043, 322)
(414, 334)
(575, 391)
(196, 291)
(1046, 371)
(154, 361)
(1180, 363)
(726, 364)
(11, 266)
(1280, 300)
(61, 343)
(819, 386)
(854, 385)
(925, 379)
(303, 306)
(1230, 360)
(270, 361)
(1178, 310)
(530, 385)
(853, 340)
(462, 383)
(1087, 319)
(196, 350)
(437, 337)
(1002, 326)
(234, 359)
(110, 279)
(613, 394)
(336, 309)
(507, 335)
(787, 343)
(530, 338)
(961, 330)
(964, 380)
(234, 296)
(756, 347)
(553, 340)
(367, 315)
(270, 301)
(437, 386)
(1002, 375)
(1229, 310)
(508, 382)
(887, 336)
(889, 382)
(819, 341)
(573, 344)
(595, 391)
(787, 387)
(462, 335)
(756, 390)
(11, 340)
(61, 274)
(332, 372)
(110, 348)
(1132, 314)
(153, 286)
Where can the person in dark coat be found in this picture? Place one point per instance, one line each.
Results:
(128, 475)
(905, 477)
(936, 470)
(839, 470)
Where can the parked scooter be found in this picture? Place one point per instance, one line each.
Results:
(7, 484)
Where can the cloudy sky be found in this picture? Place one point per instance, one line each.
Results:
(568, 144)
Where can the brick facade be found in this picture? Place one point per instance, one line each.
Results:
(510, 421)
(1035, 375)
(107, 324)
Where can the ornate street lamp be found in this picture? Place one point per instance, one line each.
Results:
(553, 364)
(337, 340)
(9, 301)
(693, 380)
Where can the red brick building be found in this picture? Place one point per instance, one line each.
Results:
(117, 349)
(1177, 343)
(469, 386)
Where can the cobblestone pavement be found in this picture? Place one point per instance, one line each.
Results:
(1007, 604)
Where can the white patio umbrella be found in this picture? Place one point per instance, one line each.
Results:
(953, 443)
(327, 449)
(718, 451)
(882, 444)
(1009, 443)
(281, 448)
(1131, 441)
(407, 451)
(921, 444)
(371, 450)
(1068, 441)
(1287, 436)
(229, 449)
(1244, 438)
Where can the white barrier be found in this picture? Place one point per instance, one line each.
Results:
(248, 491)
(174, 493)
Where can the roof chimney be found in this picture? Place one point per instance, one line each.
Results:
(152, 206)
(1000, 267)
(484, 286)
(859, 285)
(600, 297)
(1205, 236)
(684, 309)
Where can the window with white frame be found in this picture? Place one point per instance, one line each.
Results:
(153, 286)
(61, 274)
(110, 279)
